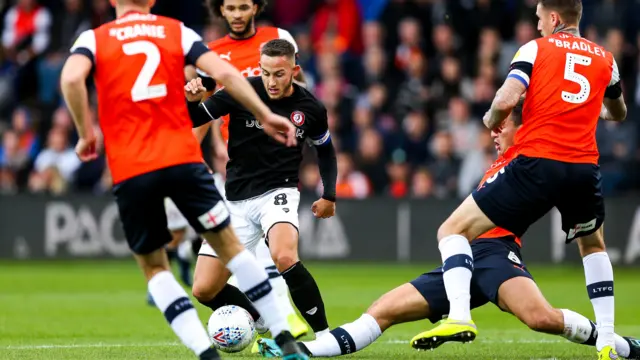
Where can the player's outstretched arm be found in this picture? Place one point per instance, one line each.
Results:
(506, 99)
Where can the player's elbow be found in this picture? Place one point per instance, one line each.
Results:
(619, 114)
(71, 79)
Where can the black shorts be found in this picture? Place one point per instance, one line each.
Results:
(527, 188)
(495, 261)
(140, 202)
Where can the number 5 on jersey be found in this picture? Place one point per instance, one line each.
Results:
(571, 75)
(141, 89)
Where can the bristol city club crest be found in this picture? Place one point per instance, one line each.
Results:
(297, 118)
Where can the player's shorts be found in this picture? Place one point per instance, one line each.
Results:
(495, 261)
(140, 202)
(177, 221)
(253, 218)
(527, 188)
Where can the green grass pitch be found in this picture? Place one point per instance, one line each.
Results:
(97, 310)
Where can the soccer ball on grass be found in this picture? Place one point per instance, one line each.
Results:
(231, 329)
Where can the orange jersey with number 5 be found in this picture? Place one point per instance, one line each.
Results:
(138, 63)
(490, 175)
(244, 55)
(566, 78)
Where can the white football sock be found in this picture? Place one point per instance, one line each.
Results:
(599, 277)
(174, 303)
(253, 281)
(457, 265)
(346, 339)
(579, 329)
(263, 254)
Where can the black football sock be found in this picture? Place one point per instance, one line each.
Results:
(231, 295)
(306, 295)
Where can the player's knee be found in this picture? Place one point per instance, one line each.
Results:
(542, 321)
(204, 292)
(449, 228)
(285, 260)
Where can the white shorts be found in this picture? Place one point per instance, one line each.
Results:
(251, 219)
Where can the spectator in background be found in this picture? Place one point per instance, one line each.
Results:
(416, 129)
(68, 22)
(525, 31)
(413, 93)
(290, 14)
(310, 181)
(371, 160)
(373, 35)
(616, 144)
(27, 138)
(447, 85)
(14, 163)
(410, 46)
(336, 27)
(101, 12)
(464, 130)
(445, 166)
(398, 172)
(25, 37)
(55, 166)
(472, 168)
(422, 184)
(351, 184)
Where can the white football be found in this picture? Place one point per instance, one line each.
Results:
(231, 329)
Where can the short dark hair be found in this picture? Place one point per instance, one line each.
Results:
(278, 47)
(215, 5)
(516, 113)
(569, 10)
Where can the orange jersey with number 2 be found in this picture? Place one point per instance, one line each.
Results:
(138, 63)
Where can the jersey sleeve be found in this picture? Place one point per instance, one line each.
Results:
(614, 90)
(192, 45)
(219, 104)
(85, 45)
(285, 35)
(319, 133)
(522, 63)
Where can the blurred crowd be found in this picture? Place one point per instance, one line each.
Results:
(405, 83)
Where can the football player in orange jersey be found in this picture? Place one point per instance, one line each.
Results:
(500, 277)
(137, 62)
(570, 82)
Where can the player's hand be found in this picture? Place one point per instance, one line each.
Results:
(86, 149)
(486, 118)
(323, 208)
(194, 90)
(279, 128)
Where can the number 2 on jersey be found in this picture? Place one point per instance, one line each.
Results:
(141, 89)
(571, 75)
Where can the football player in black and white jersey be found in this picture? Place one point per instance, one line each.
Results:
(262, 176)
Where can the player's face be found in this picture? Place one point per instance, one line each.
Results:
(239, 15)
(504, 140)
(277, 75)
(547, 20)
